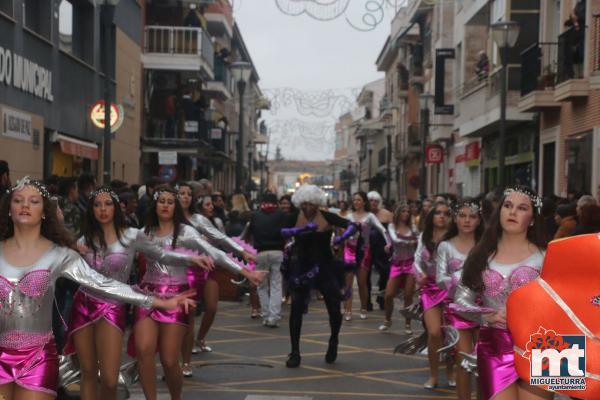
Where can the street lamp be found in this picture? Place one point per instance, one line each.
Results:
(424, 100)
(389, 129)
(241, 71)
(107, 14)
(505, 34)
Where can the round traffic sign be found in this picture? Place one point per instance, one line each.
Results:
(116, 115)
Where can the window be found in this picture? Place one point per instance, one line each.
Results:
(381, 157)
(37, 16)
(6, 6)
(76, 28)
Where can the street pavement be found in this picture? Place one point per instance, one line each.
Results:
(248, 361)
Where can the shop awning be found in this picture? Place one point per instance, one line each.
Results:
(76, 147)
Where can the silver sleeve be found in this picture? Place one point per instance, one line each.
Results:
(393, 235)
(195, 242)
(203, 224)
(72, 266)
(442, 277)
(465, 303)
(144, 245)
(374, 222)
(418, 260)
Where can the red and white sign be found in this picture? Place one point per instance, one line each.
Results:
(434, 154)
(117, 115)
(472, 151)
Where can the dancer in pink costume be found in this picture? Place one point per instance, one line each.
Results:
(34, 252)
(509, 255)
(154, 328)
(464, 232)
(97, 323)
(432, 297)
(401, 272)
(357, 251)
(198, 279)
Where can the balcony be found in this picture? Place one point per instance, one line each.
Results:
(538, 77)
(222, 84)
(178, 48)
(219, 18)
(571, 83)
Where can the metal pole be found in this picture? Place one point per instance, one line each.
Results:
(107, 13)
(502, 134)
(239, 174)
(369, 169)
(389, 165)
(425, 127)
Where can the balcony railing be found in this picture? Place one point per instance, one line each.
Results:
(178, 40)
(571, 54)
(538, 67)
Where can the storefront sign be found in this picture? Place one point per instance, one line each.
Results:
(16, 125)
(472, 151)
(22, 73)
(117, 115)
(167, 158)
(216, 134)
(434, 154)
(190, 126)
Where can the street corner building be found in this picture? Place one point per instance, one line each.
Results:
(53, 65)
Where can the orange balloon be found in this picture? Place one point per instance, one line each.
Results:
(561, 301)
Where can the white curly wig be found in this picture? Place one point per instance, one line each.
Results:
(374, 196)
(309, 194)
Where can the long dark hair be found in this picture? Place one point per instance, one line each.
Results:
(186, 184)
(92, 230)
(478, 259)
(427, 236)
(200, 209)
(453, 229)
(178, 216)
(363, 196)
(51, 228)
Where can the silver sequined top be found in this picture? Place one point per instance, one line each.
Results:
(368, 221)
(449, 265)
(499, 281)
(27, 293)
(214, 235)
(404, 245)
(117, 259)
(188, 241)
(425, 262)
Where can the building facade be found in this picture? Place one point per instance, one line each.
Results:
(51, 73)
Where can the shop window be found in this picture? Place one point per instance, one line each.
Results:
(381, 157)
(579, 159)
(6, 7)
(76, 28)
(37, 16)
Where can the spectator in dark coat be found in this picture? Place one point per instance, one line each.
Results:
(589, 220)
(566, 218)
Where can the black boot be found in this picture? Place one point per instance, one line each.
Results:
(332, 351)
(293, 360)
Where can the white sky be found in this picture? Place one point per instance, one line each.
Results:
(312, 56)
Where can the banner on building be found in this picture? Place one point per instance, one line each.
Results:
(441, 55)
(167, 158)
(16, 125)
(434, 154)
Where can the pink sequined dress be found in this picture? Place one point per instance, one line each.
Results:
(431, 294)
(448, 273)
(357, 249)
(404, 252)
(495, 353)
(89, 305)
(28, 354)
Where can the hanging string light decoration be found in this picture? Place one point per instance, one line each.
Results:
(317, 103)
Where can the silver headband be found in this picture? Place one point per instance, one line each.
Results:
(27, 181)
(535, 199)
(473, 206)
(106, 190)
(156, 195)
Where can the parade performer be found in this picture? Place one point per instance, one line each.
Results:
(432, 297)
(97, 323)
(380, 258)
(401, 272)
(166, 226)
(206, 287)
(509, 255)
(357, 252)
(564, 300)
(311, 265)
(464, 232)
(35, 251)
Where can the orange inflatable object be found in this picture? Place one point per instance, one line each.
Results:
(561, 303)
